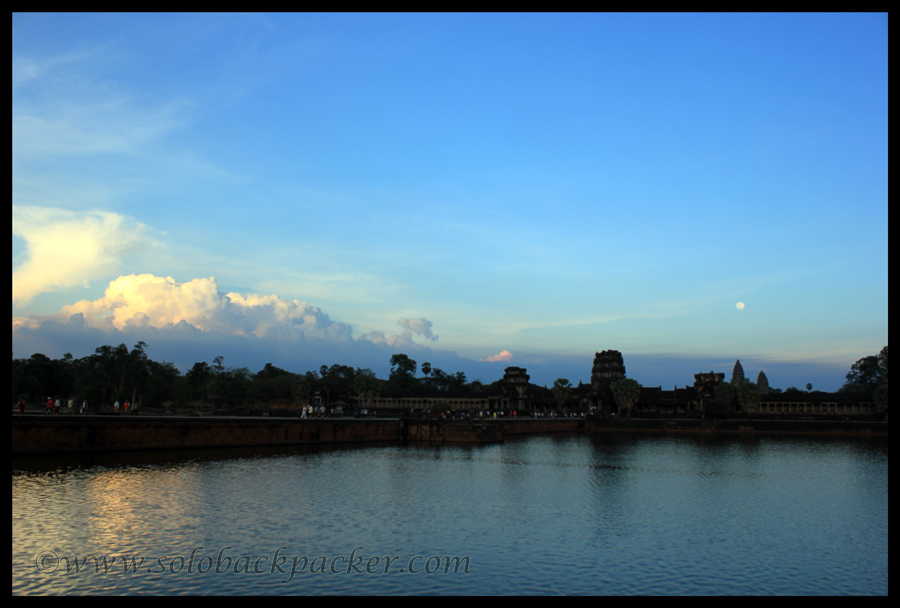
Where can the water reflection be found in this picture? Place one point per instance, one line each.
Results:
(596, 514)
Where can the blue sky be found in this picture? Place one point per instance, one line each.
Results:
(318, 189)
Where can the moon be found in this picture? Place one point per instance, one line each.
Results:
(740, 306)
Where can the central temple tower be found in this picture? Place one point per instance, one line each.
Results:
(608, 368)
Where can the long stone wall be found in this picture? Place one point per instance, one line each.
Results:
(821, 408)
(36, 434)
(755, 426)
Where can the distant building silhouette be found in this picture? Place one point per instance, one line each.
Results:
(705, 384)
(608, 367)
(763, 383)
(515, 385)
(737, 375)
(706, 397)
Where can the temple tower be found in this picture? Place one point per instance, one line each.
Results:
(763, 383)
(608, 368)
(737, 375)
(705, 385)
(515, 385)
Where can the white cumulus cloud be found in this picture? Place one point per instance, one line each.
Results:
(146, 300)
(69, 249)
(504, 355)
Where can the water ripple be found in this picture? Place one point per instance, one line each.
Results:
(544, 515)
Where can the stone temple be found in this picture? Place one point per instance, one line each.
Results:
(608, 368)
(705, 384)
(737, 375)
(763, 383)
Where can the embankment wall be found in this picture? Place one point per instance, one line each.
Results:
(773, 427)
(36, 434)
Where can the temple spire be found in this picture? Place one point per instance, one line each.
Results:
(763, 383)
(737, 376)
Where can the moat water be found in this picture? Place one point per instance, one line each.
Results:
(573, 514)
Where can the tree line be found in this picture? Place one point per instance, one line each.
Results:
(117, 373)
(114, 373)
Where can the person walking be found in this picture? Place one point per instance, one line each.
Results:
(84, 406)
(21, 406)
(116, 407)
(70, 406)
(127, 407)
(49, 405)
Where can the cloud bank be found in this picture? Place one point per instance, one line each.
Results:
(146, 300)
(194, 321)
(69, 249)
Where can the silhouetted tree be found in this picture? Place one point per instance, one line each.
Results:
(459, 380)
(366, 386)
(881, 398)
(723, 402)
(626, 392)
(748, 396)
(868, 373)
(199, 378)
(300, 390)
(236, 384)
(163, 383)
(113, 367)
(272, 384)
(402, 364)
(403, 370)
(561, 389)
